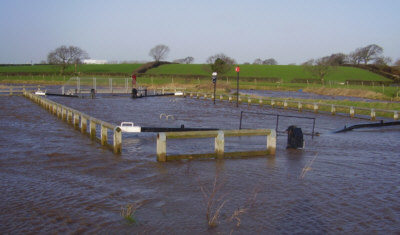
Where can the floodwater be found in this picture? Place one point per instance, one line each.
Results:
(56, 180)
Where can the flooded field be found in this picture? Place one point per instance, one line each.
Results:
(56, 180)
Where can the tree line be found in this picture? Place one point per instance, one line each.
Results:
(72, 55)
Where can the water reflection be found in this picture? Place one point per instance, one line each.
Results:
(57, 180)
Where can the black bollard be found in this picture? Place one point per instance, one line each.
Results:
(92, 93)
(134, 93)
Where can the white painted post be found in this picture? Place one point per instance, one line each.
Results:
(333, 109)
(260, 101)
(117, 140)
(373, 114)
(351, 111)
(272, 103)
(300, 106)
(315, 107)
(271, 142)
(220, 144)
(221, 97)
(161, 147)
(248, 101)
(396, 115)
(285, 104)
(230, 99)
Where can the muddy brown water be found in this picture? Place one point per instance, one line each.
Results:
(56, 180)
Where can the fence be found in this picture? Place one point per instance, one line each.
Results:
(219, 143)
(300, 106)
(80, 121)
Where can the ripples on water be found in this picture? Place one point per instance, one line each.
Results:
(56, 180)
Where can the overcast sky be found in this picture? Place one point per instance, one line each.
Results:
(290, 31)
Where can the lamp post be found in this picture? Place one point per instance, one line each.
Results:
(214, 80)
(237, 69)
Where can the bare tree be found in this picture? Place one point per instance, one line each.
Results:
(65, 56)
(270, 61)
(366, 54)
(383, 60)
(258, 61)
(319, 68)
(187, 60)
(159, 52)
(220, 63)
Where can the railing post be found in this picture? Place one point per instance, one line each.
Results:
(351, 111)
(103, 135)
(76, 120)
(333, 109)
(315, 107)
(161, 147)
(83, 124)
(373, 115)
(69, 119)
(220, 144)
(63, 113)
(271, 142)
(92, 127)
(117, 140)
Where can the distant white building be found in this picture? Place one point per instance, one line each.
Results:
(91, 61)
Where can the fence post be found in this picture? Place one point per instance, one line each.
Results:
(395, 115)
(83, 124)
(220, 144)
(230, 99)
(92, 127)
(63, 113)
(161, 147)
(333, 109)
(373, 115)
(300, 106)
(272, 103)
(248, 101)
(351, 111)
(271, 142)
(103, 135)
(76, 120)
(260, 102)
(117, 140)
(285, 104)
(315, 107)
(69, 119)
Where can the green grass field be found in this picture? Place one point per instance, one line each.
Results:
(284, 72)
(251, 76)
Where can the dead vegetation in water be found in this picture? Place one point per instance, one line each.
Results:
(128, 211)
(307, 167)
